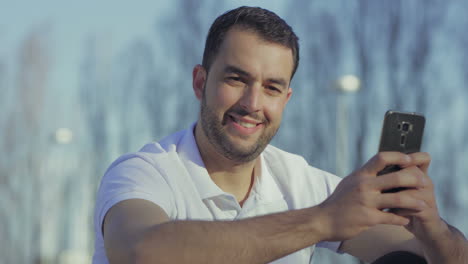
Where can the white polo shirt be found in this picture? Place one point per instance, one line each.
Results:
(172, 175)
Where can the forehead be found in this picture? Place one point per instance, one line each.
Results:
(247, 50)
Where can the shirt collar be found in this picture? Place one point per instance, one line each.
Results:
(191, 158)
(265, 187)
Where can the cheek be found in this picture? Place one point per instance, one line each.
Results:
(274, 111)
(225, 96)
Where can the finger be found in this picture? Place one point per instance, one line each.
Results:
(411, 177)
(421, 194)
(384, 159)
(393, 219)
(424, 194)
(421, 159)
(400, 201)
(404, 212)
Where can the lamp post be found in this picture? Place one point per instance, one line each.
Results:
(63, 136)
(346, 84)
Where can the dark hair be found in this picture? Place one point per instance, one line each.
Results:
(265, 23)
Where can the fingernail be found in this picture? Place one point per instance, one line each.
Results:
(407, 222)
(423, 204)
(424, 180)
(408, 158)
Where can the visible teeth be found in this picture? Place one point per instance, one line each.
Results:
(244, 124)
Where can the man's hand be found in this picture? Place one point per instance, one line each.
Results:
(440, 242)
(357, 203)
(425, 223)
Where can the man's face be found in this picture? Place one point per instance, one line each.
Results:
(244, 95)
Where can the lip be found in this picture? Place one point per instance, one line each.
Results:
(241, 129)
(246, 120)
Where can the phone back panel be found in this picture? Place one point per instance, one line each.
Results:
(402, 132)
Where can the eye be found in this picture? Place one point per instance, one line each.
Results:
(273, 89)
(234, 80)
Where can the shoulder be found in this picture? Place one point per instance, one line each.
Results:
(143, 174)
(288, 163)
(285, 160)
(166, 145)
(134, 176)
(144, 161)
(149, 162)
(275, 155)
(294, 173)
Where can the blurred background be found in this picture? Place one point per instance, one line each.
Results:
(83, 82)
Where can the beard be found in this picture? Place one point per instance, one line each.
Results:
(219, 139)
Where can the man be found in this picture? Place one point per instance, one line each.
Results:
(218, 193)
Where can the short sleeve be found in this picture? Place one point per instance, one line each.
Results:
(131, 177)
(333, 246)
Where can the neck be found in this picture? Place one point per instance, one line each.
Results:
(232, 177)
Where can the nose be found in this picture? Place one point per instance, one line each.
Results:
(251, 99)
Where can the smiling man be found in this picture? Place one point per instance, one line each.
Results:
(242, 101)
(219, 193)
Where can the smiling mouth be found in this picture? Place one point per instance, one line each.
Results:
(243, 123)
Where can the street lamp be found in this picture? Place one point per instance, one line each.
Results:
(63, 135)
(346, 84)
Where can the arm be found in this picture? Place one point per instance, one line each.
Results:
(450, 246)
(426, 234)
(440, 242)
(379, 241)
(138, 231)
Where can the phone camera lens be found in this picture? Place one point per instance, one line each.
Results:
(405, 127)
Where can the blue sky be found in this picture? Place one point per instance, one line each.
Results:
(69, 23)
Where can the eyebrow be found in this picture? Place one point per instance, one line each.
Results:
(281, 82)
(237, 70)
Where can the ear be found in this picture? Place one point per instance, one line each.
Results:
(198, 80)
(288, 95)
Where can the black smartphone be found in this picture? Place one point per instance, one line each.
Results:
(403, 132)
